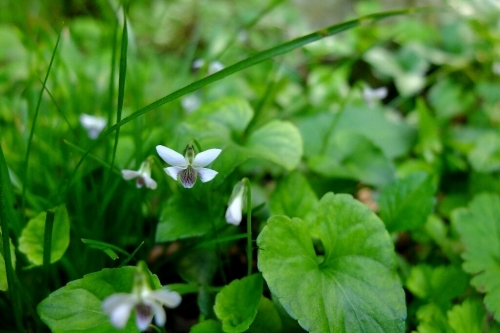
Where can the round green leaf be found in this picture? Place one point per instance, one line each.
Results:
(32, 237)
(352, 288)
(267, 319)
(236, 304)
(467, 317)
(207, 326)
(279, 142)
(479, 229)
(77, 307)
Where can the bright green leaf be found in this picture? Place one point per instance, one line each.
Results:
(77, 307)
(432, 319)
(279, 142)
(467, 317)
(479, 229)
(31, 240)
(353, 288)
(406, 203)
(236, 304)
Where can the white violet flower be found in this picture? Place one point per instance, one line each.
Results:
(146, 302)
(143, 175)
(213, 66)
(93, 124)
(370, 95)
(188, 167)
(236, 204)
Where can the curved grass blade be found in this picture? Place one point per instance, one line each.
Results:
(248, 62)
(32, 132)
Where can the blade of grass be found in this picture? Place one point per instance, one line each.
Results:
(248, 62)
(131, 255)
(32, 132)
(121, 82)
(4, 223)
(60, 111)
(47, 248)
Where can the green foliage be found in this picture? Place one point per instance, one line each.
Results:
(31, 241)
(353, 288)
(236, 304)
(77, 307)
(406, 203)
(479, 227)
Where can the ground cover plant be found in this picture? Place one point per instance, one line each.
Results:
(257, 166)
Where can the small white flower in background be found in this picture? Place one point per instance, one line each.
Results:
(93, 124)
(143, 175)
(190, 103)
(213, 67)
(370, 95)
(188, 167)
(236, 204)
(496, 68)
(146, 302)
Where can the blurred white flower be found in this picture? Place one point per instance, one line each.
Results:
(93, 124)
(213, 67)
(496, 68)
(190, 103)
(236, 204)
(188, 167)
(146, 303)
(370, 95)
(143, 175)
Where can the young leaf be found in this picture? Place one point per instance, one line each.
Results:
(352, 156)
(207, 326)
(353, 288)
(432, 319)
(479, 229)
(267, 319)
(440, 284)
(78, 305)
(406, 203)
(32, 237)
(236, 304)
(485, 156)
(467, 317)
(279, 142)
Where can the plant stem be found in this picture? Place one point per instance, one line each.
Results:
(249, 226)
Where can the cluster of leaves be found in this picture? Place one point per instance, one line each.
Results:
(409, 241)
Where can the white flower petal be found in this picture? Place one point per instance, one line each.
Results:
(233, 212)
(205, 158)
(130, 174)
(171, 299)
(150, 182)
(206, 175)
(173, 171)
(93, 125)
(160, 315)
(171, 156)
(118, 307)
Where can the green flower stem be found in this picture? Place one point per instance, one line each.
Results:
(248, 62)
(249, 226)
(47, 246)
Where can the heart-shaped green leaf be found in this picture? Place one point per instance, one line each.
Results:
(353, 288)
